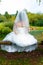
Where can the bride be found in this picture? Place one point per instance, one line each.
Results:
(20, 37)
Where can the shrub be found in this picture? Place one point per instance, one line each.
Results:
(5, 30)
(8, 24)
(2, 18)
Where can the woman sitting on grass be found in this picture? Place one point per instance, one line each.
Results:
(20, 37)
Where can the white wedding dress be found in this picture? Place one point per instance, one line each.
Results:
(23, 41)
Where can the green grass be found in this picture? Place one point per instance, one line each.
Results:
(38, 34)
(40, 62)
(37, 27)
(15, 62)
(21, 61)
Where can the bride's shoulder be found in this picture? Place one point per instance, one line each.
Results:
(11, 33)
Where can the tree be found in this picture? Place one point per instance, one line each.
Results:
(16, 13)
(39, 1)
(2, 18)
(0, 0)
(7, 15)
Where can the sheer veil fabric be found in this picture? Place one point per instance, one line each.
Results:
(22, 16)
(23, 40)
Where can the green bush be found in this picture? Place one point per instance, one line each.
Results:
(2, 18)
(37, 23)
(8, 24)
(5, 30)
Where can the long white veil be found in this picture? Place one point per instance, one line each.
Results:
(21, 16)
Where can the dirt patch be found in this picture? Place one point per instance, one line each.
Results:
(34, 54)
(22, 58)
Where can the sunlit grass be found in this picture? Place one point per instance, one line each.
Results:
(38, 34)
(36, 27)
(21, 61)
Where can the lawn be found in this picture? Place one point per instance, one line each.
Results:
(38, 34)
(22, 58)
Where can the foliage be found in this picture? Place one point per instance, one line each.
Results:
(2, 18)
(9, 24)
(35, 19)
(5, 30)
(7, 17)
